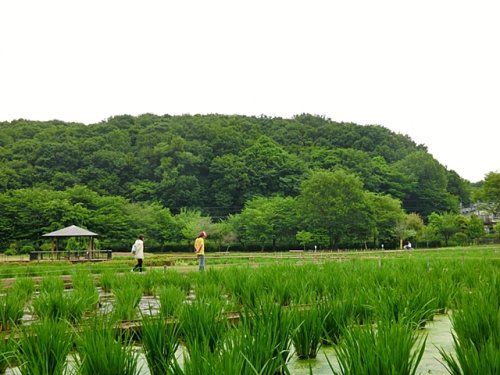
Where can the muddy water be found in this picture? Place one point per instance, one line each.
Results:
(438, 336)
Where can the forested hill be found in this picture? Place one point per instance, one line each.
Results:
(215, 163)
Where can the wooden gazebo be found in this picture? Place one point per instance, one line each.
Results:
(71, 231)
(90, 254)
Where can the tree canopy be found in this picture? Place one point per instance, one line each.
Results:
(347, 182)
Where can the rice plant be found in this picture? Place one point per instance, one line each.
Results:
(236, 281)
(149, 282)
(335, 315)
(444, 291)
(160, 341)
(23, 288)
(171, 300)
(207, 291)
(176, 279)
(79, 302)
(43, 348)
(51, 284)
(58, 305)
(274, 280)
(6, 352)
(250, 291)
(477, 319)
(82, 279)
(469, 360)
(84, 290)
(477, 333)
(128, 295)
(11, 310)
(107, 280)
(307, 332)
(227, 359)
(397, 305)
(101, 351)
(362, 311)
(203, 323)
(265, 338)
(389, 348)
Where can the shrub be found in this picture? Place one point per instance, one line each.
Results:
(26, 249)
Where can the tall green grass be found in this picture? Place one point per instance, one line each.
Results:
(477, 318)
(59, 305)
(160, 341)
(128, 293)
(470, 360)
(51, 284)
(12, 303)
(43, 348)
(209, 291)
(171, 299)
(11, 310)
(101, 351)
(265, 339)
(6, 352)
(476, 340)
(150, 282)
(335, 314)
(399, 303)
(226, 359)
(176, 279)
(106, 281)
(85, 291)
(203, 324)
(307, 331)
(23, 288)
(389, 348)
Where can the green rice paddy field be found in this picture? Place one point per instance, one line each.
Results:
(402, 312)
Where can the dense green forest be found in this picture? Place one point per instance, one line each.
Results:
(167, 176)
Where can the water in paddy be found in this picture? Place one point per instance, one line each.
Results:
(438, 334)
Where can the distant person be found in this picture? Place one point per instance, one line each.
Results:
(199, 249)
(138, 251)
(407, 246)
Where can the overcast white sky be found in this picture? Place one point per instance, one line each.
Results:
(427, 68)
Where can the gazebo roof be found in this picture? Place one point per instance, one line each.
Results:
(71, 231)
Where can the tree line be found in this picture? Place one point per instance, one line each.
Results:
(331, 210)
(254, 180)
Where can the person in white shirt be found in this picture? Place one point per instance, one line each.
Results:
(138, 251)
(407, 246)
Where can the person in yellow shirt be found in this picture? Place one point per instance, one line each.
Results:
(199, 249)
